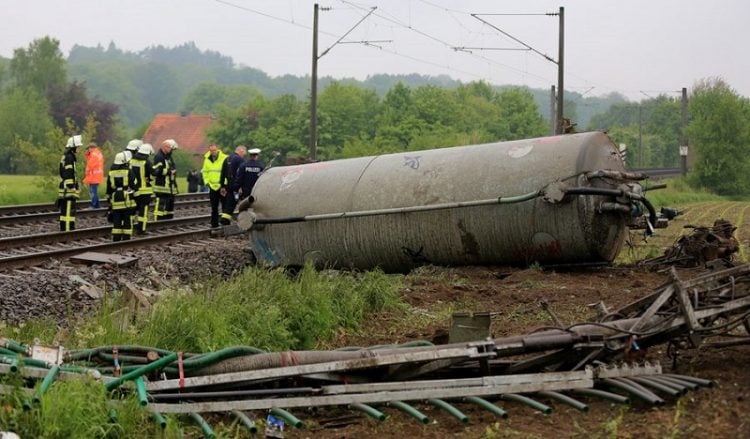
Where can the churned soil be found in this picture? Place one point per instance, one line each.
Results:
(514, 296)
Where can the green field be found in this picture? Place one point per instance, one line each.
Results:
(26, 189)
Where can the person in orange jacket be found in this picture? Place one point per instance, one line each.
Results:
(94, 172)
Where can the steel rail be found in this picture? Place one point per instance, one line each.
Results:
(101, 211)
(32, 259)
(16, 209)
(14, 242)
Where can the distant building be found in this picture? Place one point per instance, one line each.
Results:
(189, 130)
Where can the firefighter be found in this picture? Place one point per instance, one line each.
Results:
(133, 145)
(228, 174)
(248, 173)
(120, 183)
(213, 162)
(67, 194)
(143, 191)
(165, 180)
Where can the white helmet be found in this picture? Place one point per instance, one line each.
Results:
(128, 155)
(74, 141)
(146, 148)
(120, 158)
(134, 144)
(171, 143)
(254, 151)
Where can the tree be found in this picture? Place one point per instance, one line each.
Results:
(39, 67)
(69, 102)
(719, 131)
(346, 112)
(520, 113)
(23, 117)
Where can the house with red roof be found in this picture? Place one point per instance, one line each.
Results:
(189, 130)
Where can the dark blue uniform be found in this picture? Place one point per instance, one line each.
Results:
(247, 175)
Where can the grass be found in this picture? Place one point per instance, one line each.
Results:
(677, 192)
(30, 189)
(266, 309)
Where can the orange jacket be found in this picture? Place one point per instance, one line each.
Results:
(94, 166)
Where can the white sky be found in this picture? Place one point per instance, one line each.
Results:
(636, 47)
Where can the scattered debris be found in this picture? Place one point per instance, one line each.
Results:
(703, 245)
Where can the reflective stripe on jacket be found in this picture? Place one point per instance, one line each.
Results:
(118, 188)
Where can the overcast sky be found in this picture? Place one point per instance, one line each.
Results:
(638, 47)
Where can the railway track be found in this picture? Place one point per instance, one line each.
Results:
(32, 213)
(26, 251)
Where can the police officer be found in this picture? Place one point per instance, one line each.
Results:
(213, 162)
(228, 174)
(143, 191)
(165, 180)
(120, 183)
(248, 173)
(68, 192)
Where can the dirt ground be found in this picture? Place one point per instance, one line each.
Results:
(514, 295)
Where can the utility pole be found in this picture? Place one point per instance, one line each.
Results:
(314, 90)
(560, 64)
(552, 114)
(314, 80)
(683, 134)
(640, 135)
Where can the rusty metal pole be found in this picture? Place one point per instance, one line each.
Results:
(683, 135)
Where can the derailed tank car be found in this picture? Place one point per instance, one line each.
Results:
(551, 200)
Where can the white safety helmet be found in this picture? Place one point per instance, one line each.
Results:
(171, 143)
(74, 142)
(254, 151)
(120, 158)
(146, 148)
(128, 155)
(133, 145)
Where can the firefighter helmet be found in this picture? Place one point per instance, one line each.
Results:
(120, 158)
(171, 143)
(146, 148)
(134, 144)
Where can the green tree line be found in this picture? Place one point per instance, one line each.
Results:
(111, 95)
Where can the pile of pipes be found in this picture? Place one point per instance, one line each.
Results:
(606, 358)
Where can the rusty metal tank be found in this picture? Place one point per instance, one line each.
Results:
(573, 230)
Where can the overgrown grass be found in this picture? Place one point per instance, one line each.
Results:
(26, 189)
(261, 308)
(679, 191)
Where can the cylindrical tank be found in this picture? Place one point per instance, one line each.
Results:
(572, 231)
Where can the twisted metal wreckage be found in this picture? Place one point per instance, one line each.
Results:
(606, 358)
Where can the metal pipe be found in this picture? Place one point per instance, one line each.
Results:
(688, 384)
(393, 210)
(141, 371)
(636, 385)
(233, 393)
(453, 411)
(288, 417)
(565, 399)
(698, 381)
(492, 408)
(140, 387)
(46, 383)
(536, 405)
(159, 419)
(368, 410)
(246, 421)
(609, 396)
(207, 431)
(670, 384)
(646, 396)
(411, 411)
(646, 381)
(14, 365)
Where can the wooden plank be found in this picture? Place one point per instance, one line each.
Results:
(685, 306)
(332, 366)
(90, 258)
